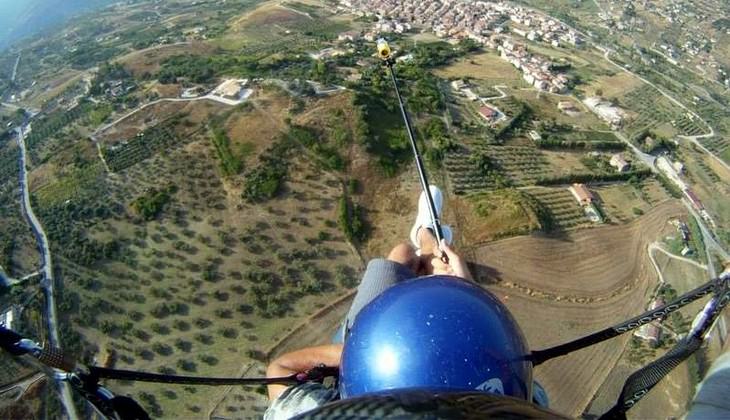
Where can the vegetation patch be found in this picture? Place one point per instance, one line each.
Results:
(593, 177)
(266, 181)
(502, 213)
(150, 205)
(327, 155)
(9, 163)
(351, 220)
(230, 164)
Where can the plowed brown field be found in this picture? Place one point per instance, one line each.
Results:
(562, 288)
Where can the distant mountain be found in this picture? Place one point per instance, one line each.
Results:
(22, 18)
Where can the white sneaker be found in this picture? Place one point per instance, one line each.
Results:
(423, 219)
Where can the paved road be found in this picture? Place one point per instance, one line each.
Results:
(711, 244)
(645, 157)
(47, 282)
(23, 384)
(209, 97)
(15, 68)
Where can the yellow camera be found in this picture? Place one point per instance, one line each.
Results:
(383, 49)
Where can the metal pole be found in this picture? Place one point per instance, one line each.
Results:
(419, 162)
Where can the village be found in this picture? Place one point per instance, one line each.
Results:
(494, 25)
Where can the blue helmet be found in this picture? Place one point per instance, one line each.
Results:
(439, 333)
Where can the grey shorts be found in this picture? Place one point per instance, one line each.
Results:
(379, 276)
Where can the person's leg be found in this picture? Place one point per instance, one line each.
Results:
(402, 263)
(428, 247)
(404, 254)
(381, 274)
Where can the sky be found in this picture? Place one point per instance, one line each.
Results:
(21, 18)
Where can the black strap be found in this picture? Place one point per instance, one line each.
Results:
(315, 374)
(539, 356)
(644, 379)
(128, 409)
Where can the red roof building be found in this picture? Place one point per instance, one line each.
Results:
(487, 112)
(582, 194)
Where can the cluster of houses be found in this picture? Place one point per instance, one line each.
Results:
(536, 69)
(484, 22)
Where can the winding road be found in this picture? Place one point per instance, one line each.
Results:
(47, 282)
(655, 246)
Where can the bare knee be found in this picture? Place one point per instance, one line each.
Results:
(403, 254)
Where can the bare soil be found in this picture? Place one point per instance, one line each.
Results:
(561, 288)
(590, 264)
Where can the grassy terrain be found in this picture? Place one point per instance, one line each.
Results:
(613, 86)
(495, 214)
(626, 202)
(486, 66)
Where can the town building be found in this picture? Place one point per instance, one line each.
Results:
(566, 106)
(488, 113)
(591, 212)
(651, 332)
(618, 162)
(483, 22)
(459, 84)
(348, 36)
(582, 194)
(606, 111)
(230, 89)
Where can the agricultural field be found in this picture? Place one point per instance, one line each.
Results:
(521, 165)
(208, 273)
(563, 210)
(152, 130)
(208, 279)
(487, 216)
(601, 278)
(148, 61)
(143, 146)
(486, 68)
(48, 131)
(625, 202)
(719, 146)
(657, 114)
(545, 105)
